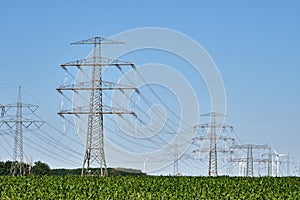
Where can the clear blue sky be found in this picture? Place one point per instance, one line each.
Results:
(255, 44)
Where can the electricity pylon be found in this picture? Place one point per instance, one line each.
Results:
(18, 123)
(96, 108)
(212, 138)
(176, 157)
(175, 169)
(250, 171)
(250, 159)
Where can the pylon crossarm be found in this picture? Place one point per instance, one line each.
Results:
(205, 150)
(9, 124)
(106, 85)
(245, 146)
(245, 160)
(201, 138)
(201, 126)
(97, 61)
(207, 125)
(36, 123)
(238, 160)
(25, 123)
(220, 137)
(105, 110)
(30, 107)
(97, 40)
(213, 114)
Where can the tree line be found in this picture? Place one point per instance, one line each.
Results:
(41, 169)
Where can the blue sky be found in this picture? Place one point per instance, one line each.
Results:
(255, 45)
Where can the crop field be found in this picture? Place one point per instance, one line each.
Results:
(148, 187)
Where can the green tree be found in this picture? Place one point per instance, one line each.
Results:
(40, 168)
(5, 167)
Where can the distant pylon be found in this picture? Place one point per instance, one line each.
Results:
(19, 122)
(212, 138)
(270, 162)
(250, 159)
(249, 168)
(96, 108)
(175, 169)
(288, 165)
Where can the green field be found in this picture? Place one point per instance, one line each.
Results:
(148, 187)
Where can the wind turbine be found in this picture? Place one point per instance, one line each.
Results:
(277, 155)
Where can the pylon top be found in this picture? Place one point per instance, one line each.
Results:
(214, 114)
(98, 40)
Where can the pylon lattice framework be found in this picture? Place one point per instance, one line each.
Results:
(250, 159)
(96, 108)
(212, 138)
(19, 122)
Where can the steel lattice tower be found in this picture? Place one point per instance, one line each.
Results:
(249, 159)
(96, 108)
(19, 122)
(18, 147)
(250, 171)
(212, 138)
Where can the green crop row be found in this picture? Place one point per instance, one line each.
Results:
(148, 187)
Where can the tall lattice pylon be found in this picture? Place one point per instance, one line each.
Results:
(212, 137)
(17, 124)
(96, 109)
